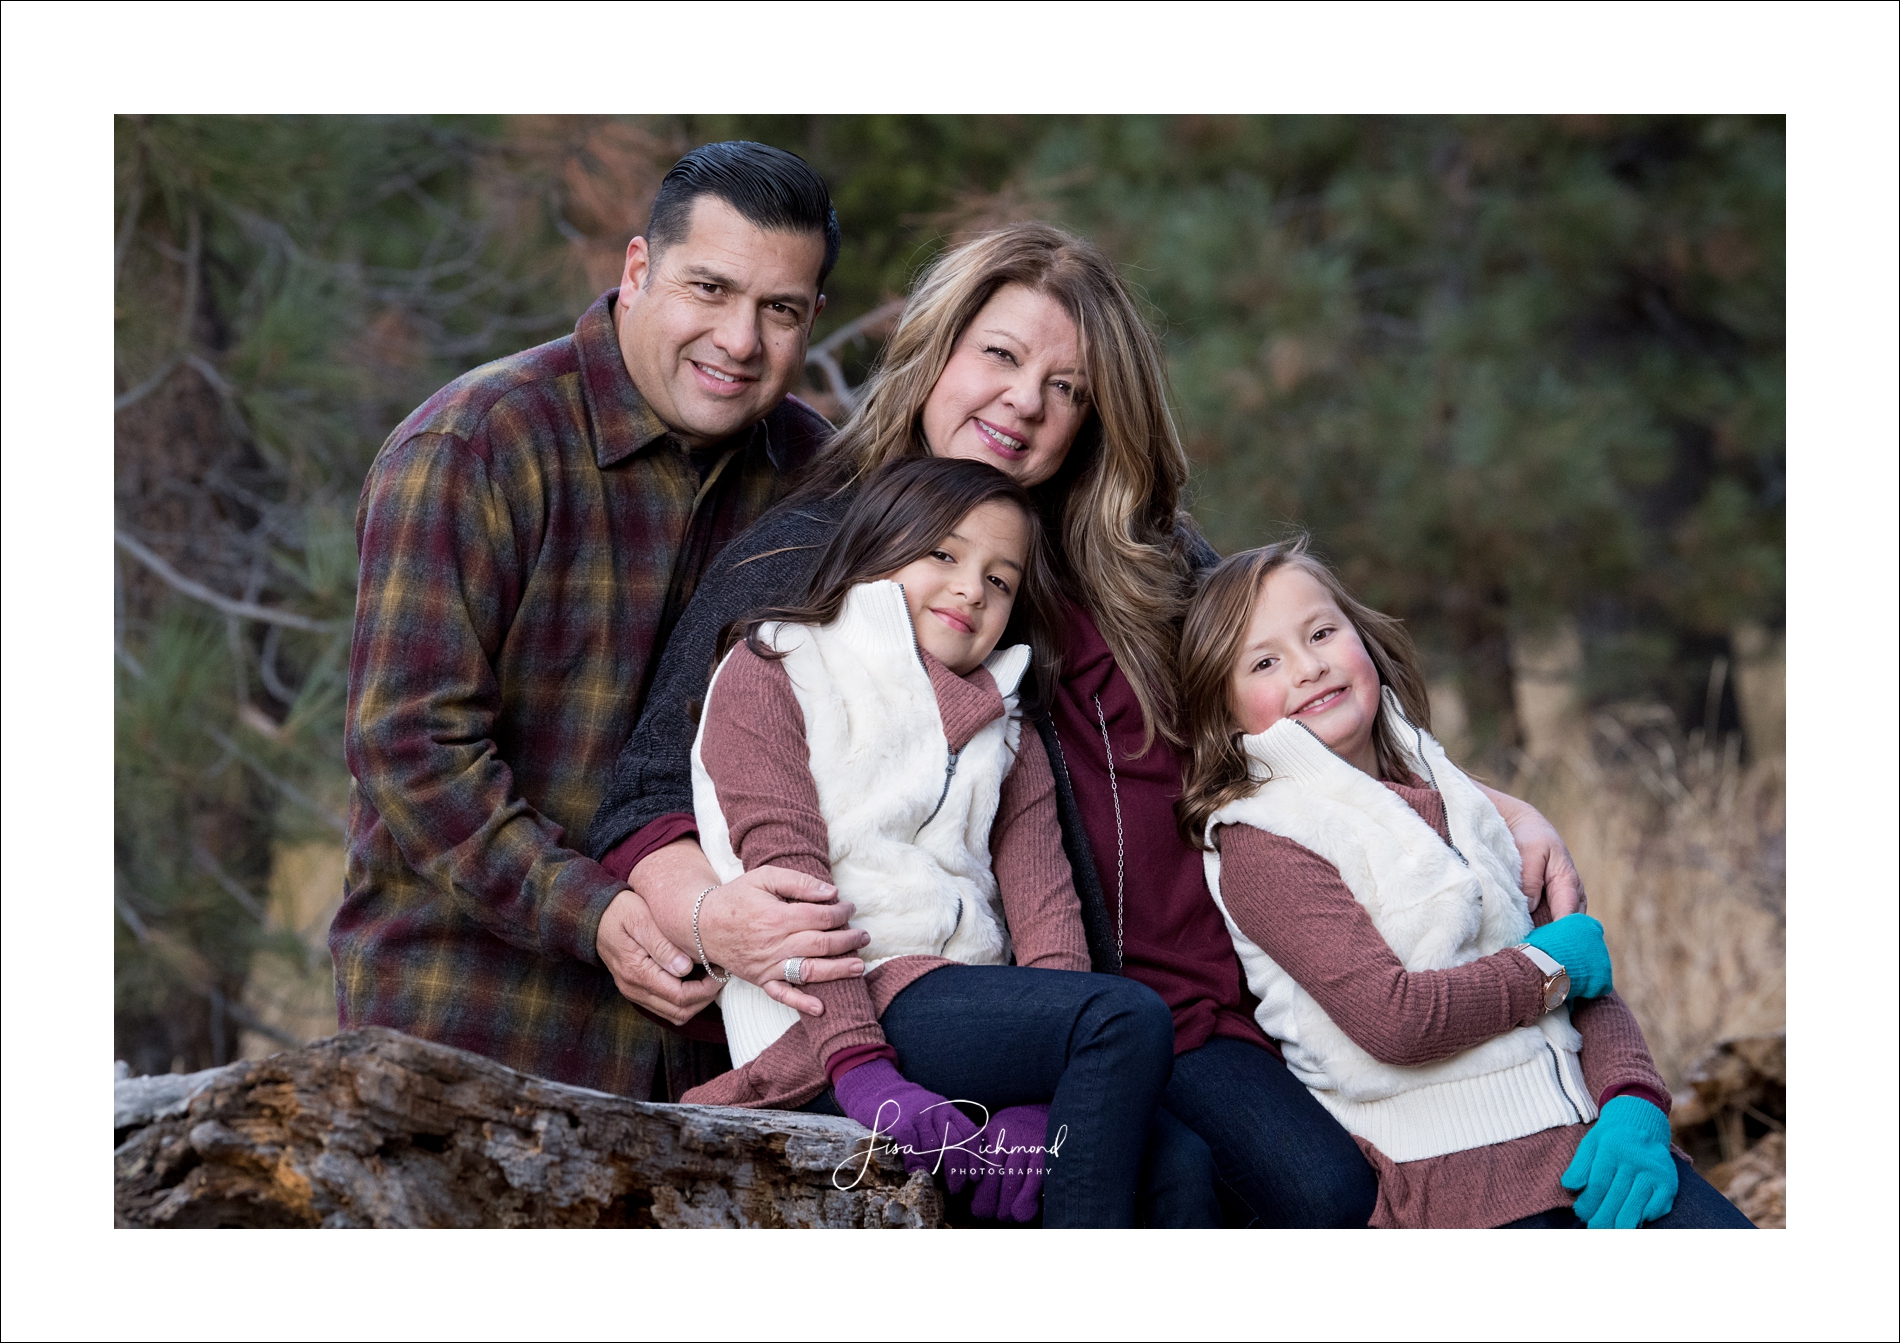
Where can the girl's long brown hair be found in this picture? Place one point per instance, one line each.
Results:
(1111, 510)
(1211, 638)
(903, 511)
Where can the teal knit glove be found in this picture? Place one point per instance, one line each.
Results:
(1623, 1165)
(1576, 942)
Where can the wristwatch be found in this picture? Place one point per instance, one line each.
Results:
(1556, 978)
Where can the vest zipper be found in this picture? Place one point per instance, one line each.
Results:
(950, 766)
(1430, 779)
(1557, 1076)
(949, 770)
(953, 927)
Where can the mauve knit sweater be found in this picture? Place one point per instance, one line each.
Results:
(755, 753)
(1295, 907)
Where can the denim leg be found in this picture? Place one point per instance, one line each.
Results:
(1096, 1048)
(1177, 1178)
(1551, 1219)
(1698, 1207)
(1282, 1160)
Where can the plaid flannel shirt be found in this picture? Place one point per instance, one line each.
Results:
(527, 538)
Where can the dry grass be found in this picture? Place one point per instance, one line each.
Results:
(1682, 853)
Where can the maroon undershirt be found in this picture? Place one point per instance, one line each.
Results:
(1173, 939)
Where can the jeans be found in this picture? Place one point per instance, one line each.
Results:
(1096, 1048)
(1698, 1207)
(1178, 1178)
(1280, 1160)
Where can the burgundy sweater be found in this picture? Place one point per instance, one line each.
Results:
(1294, 906)
(1173, 939)
(755, 752)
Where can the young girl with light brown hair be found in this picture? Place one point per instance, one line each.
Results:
(1478, 1056)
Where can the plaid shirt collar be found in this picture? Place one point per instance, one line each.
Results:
(623, 422)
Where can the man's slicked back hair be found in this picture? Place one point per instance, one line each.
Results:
(768, 187)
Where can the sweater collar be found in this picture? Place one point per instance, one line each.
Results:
(1291, 750)
(875, 620)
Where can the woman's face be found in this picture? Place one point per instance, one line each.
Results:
(1302, 659)
(961, 593)
(1013, 393)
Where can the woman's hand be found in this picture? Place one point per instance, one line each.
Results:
(1623, 1166)
(753, 924)
(1547, 869)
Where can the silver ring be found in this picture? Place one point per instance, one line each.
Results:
(795, 971)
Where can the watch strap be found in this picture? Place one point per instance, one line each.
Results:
(1556, 978)
(1543, 960)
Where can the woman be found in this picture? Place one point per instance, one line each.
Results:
(1023, 348)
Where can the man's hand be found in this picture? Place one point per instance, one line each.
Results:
(647, 969)
(751, 926)
(1548, 870)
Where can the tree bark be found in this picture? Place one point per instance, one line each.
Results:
(376, 1128)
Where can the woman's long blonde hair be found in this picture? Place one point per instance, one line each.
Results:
(1111, 510)
(1211, 638)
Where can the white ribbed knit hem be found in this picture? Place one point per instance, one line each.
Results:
(1545, 1091)
(754, 1019)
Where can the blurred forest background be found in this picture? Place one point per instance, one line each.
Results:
(1522, 378)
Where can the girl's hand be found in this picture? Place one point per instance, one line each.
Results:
(929, 1132)
(1576, 942)
(1547, 869)
(1011, 1189)
(1623, 1166)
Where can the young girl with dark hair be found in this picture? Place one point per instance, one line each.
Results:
(872, 737)
(1480, 1060)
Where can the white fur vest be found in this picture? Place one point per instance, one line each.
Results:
(909, 822)
(1437, 905)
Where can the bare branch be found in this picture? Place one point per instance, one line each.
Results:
(194, 257)
(230, 606)
(190, 967)
(267, 667)
(284, 786)
(824, 355)
(211, 375)
(229, 884)
(132, 395)
(135, 201)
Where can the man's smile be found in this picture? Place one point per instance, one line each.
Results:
(718, 380)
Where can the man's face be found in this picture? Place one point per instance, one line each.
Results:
(714, 329)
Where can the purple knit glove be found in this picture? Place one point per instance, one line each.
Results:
(1011, 1189)
(926, 1129)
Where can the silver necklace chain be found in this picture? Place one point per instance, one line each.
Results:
(1114, 791)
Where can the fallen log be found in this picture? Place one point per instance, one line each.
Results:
(375, 1128)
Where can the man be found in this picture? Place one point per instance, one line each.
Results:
(528, 537)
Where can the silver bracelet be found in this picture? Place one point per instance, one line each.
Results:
(701, 945)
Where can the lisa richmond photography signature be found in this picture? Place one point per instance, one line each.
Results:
(994, 1153)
